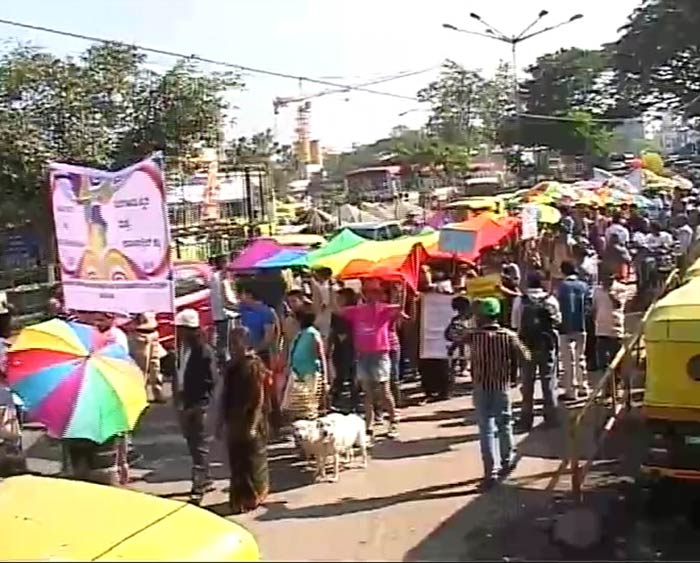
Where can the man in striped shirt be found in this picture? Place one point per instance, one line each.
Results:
(496, 353)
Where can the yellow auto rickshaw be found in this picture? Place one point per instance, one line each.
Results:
(51, 519)
(672, 392)
(693, 271)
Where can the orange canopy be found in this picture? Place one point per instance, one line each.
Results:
(489, 230)
(395, 268)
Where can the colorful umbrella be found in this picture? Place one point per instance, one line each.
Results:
(75, 380)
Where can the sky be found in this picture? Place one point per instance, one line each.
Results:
(349, 42)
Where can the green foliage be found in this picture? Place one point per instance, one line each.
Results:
(657, 58)
(576, 133)
(466, 108)
(453, 99)
(103, 109)
(569, 79)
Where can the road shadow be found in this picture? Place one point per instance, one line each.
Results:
(397, 449)
(439, 415)
(344, 506)
(512, 523)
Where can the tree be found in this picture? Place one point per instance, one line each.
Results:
(575, 133)
(656, 61)
(454, 102)
(569, 79)
(496, 104)
(103, 109)
(262, 149)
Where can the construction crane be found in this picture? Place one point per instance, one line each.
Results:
(303, 142)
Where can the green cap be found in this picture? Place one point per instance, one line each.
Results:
(490, 307)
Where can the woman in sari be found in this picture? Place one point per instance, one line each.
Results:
(243, 417)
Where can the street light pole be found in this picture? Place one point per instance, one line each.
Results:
(513, 40)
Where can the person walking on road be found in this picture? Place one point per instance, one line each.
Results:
(243, 418)
(572, 296)
(609, 315)
(342, 353)
(308, 371)
(222, 300)
(193, 388)
(496, 354)
(536, 317)
(370, 323)
(144, 348)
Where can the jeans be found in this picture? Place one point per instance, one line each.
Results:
(573, 357)
(395, 376)
(193, 423)
(221, 341)
(494, 417)
(543, 366)
(608, 347)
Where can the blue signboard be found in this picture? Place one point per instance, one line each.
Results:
(456, 241)
(19, 249)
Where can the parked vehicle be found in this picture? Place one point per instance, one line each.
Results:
(191, 292)
(671, 406)
(381, 230)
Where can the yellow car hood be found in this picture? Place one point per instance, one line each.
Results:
(47, 519)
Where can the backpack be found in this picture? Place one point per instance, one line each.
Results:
(537, 324)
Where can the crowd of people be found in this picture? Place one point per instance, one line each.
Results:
(329, 345)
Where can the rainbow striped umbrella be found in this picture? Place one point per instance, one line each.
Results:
(76, 381)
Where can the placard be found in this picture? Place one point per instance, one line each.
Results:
(484, 286)
(436, 313)
(529, 216)
(113, 238)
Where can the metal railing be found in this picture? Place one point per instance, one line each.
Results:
(618, 405)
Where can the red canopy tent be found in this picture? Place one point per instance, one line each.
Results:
(487, 230)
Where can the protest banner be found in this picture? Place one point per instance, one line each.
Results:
(484, 286)
(113, 238)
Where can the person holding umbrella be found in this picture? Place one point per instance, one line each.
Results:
(85, 388)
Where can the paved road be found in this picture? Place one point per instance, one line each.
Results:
(417, 500)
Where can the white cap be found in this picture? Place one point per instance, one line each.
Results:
(188, 318)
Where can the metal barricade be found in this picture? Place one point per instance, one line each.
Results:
(631, 349)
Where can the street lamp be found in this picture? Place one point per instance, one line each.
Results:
(513, 40)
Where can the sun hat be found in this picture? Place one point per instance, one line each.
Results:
(188, 318)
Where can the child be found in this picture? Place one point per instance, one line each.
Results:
(459, 324)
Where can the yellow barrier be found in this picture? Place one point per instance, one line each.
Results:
(578, 471)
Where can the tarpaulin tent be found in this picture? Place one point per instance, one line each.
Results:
(257, 251)
(370, 249)
(283, 259)
(396, 268)
(472, 237)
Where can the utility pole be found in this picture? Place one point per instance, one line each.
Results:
(514, 41)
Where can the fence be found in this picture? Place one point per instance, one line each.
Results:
(631, 349)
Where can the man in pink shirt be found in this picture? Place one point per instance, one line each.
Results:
(371, 323)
